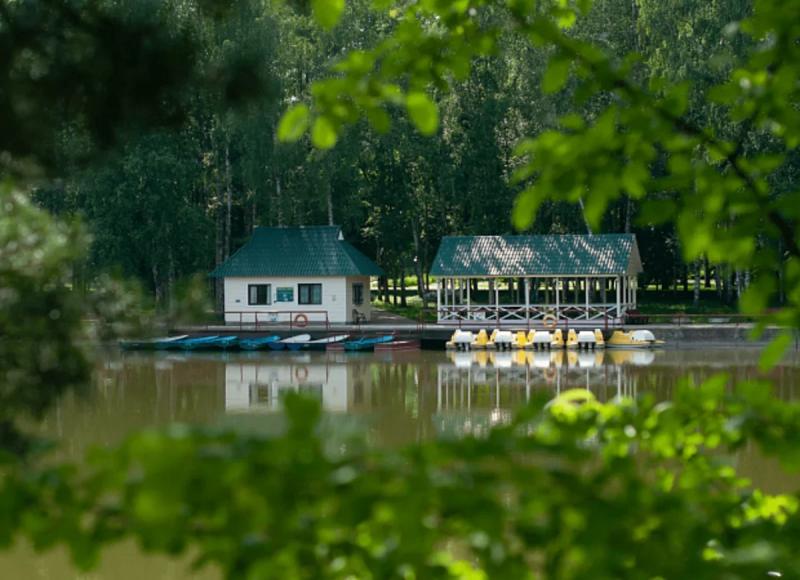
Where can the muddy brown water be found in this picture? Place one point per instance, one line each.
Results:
(391, 399)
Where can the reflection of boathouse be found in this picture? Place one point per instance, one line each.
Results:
(258, 386)
(523, 279)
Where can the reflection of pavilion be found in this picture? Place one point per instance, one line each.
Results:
(258, 386)
(480, 388)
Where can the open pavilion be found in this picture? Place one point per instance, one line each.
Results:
(530, 280)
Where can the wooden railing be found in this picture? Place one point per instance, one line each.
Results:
(263, 319)
(531, 314)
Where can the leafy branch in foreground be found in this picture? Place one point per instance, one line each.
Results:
(573, 489)
(731, 200)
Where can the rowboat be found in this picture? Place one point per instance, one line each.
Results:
(292, 343)
(322, 343)
(209, 343)
(397, 345)
(202, 342)
(225, 342)
(367, 343)
(151, 344)
(257, 343)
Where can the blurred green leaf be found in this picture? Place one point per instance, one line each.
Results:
(774, 351)
(323, 134)
(294, 123)
(327, 13)
(556, 74)
(423, 112)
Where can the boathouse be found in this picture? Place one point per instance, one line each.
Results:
(299, 275)
(541, 280)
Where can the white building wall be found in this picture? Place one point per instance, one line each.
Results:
(335, 292)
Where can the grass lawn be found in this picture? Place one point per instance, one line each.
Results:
(412, 311)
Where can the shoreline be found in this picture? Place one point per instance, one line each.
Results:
(434, 336)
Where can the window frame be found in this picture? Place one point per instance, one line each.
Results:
(268, 295)
(310, 296)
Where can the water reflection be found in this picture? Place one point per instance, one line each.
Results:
(479, 389)
(391, 399)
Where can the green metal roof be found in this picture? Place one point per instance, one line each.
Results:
(297, 251)
(554, 255)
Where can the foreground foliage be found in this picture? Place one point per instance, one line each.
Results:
(574, 489)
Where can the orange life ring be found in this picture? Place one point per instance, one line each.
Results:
(301, 376)
(549, 321)
(301, 321)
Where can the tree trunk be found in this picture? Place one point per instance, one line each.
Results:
(329, 200)
(707, 273)
(696, 298)
(585, 221)
(219, 258)
(739, 283)
(417, 263)
(628, 211)
(228, 200)
(403, 301)
(394, 291)
(278, 202)
(718, 280)
(728, 285)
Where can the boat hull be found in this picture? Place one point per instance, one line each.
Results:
(366, 344)
(257, 343)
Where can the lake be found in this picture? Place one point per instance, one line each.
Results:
(390, 399)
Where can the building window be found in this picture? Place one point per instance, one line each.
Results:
(358, 294)
(309, 293)
(259, 294)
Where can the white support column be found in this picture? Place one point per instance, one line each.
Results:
(586, 288)
(438, 299)
(617, 285)
(469, 314)
(527, 299)
(628, 291)
(558, 298)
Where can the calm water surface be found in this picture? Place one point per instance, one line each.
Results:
(392, 399)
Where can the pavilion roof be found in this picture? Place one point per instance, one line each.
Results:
(537, 255)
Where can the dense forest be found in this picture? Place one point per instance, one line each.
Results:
(177, 201)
